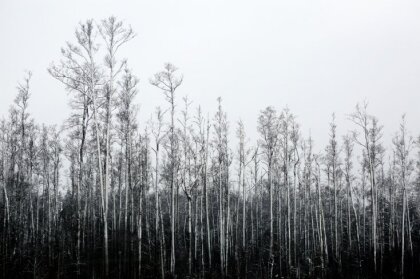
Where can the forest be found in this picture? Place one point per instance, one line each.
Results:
(186, 194)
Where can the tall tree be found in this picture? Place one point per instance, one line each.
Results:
(168, 81)
(268, 126)
(371, 134)
(332, 162)
(403, 144)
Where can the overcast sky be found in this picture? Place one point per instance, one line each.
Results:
(316, 57)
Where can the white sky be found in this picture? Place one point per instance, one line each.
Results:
(316, 57)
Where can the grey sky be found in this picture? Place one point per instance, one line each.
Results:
(316, 57)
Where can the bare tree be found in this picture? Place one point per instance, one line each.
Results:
(332, 161)
(371, 134)
(268, 126)
(168, 81)
(158, 135)
(403, 145)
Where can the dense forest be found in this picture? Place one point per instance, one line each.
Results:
(185, 194)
